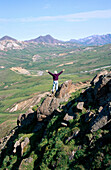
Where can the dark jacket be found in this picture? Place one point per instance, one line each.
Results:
(55, 76)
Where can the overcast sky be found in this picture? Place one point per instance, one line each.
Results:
(62, 19)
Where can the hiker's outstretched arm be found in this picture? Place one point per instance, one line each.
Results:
(61, 72)
(50, 73)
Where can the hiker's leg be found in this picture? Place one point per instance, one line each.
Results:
(53, 87)
(56, 85)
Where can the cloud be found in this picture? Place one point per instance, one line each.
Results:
(83, 16)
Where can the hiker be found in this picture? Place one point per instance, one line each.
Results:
(55, 79)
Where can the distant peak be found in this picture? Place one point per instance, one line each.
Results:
(7, 38)
(46, 39)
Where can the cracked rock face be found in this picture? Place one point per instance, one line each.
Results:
(101, 120)
(47, 107)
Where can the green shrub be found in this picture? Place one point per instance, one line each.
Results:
(34, 108)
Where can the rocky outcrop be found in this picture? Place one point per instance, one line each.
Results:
(102, 90)
(52, 103)
(24, 145)
(99, 97)
(96, 78)
(26, 119)
(8, 44)
(21, 145)
(95, 101)
(102, 119)
(47, 107)
(80, 105)
(65, 89)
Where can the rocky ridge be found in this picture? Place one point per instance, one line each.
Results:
(8, 44)
(74, 129)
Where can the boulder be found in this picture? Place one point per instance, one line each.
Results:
(65, 89)
(68, 117)
(80, 106)
(17, 143)
(24, 144)
(47, 107)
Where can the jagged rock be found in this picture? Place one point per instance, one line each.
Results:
(26, 119)
(65, 89)
(102, 90)
(20, 118)
(88, 96)
(80, 106)
(24, 144)
(17, 143)
(47, 107)
(100, 109)
(96, 78)
(68, 117)
(101, 120)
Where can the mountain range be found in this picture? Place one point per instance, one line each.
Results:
(90, 40)
(94, 40)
